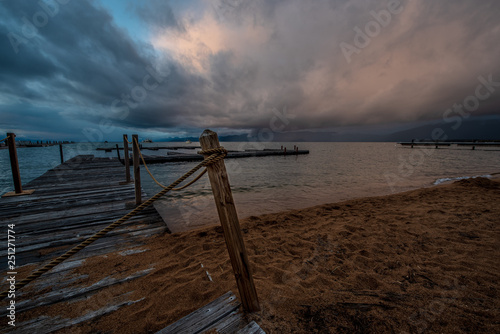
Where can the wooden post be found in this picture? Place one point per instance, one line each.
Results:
(230, 225)
(118, 152)
(126, 158)
(61, 153)
(14, 163)
(285, 150)
(137, 170)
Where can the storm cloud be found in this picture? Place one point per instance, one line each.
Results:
(230, 64)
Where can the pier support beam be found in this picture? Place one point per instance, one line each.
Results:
(14, 164)
(230, 225)
(137, 169)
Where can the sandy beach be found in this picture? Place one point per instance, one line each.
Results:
(424, 261)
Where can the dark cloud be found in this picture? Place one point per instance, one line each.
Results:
(159, 14)
(41, 123)
(77, 58)
(231, 63)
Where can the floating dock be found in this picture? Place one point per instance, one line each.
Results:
(180, 157)
(437, 144)
(153, 148)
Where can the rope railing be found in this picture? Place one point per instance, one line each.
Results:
(4, 139)
(214, 155)
(222, 151)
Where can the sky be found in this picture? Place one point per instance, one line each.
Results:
(92, 70)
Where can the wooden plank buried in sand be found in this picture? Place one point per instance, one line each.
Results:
(46, 324)
(206, 317)
(251, 328)
(69, 293)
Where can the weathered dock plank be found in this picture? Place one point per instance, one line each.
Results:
(45, 325)
(251, 328)
(221, 315)
(69, 293)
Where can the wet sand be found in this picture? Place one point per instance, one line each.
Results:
(421, 261)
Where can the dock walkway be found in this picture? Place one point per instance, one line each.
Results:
(71, 202)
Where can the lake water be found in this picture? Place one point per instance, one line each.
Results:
(331, 172)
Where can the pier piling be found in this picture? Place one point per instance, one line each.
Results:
(14, 164)
(126, 158)
(118, 152)
(137, 169)
(230, 225)
(61, 153)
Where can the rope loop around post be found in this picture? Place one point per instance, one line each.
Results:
(221, 150)
(215, 154)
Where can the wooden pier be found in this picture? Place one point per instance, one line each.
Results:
(438, 144)
(85, 195)
(153, 148)
(70, 203)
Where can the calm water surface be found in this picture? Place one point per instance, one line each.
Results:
(331, 172)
